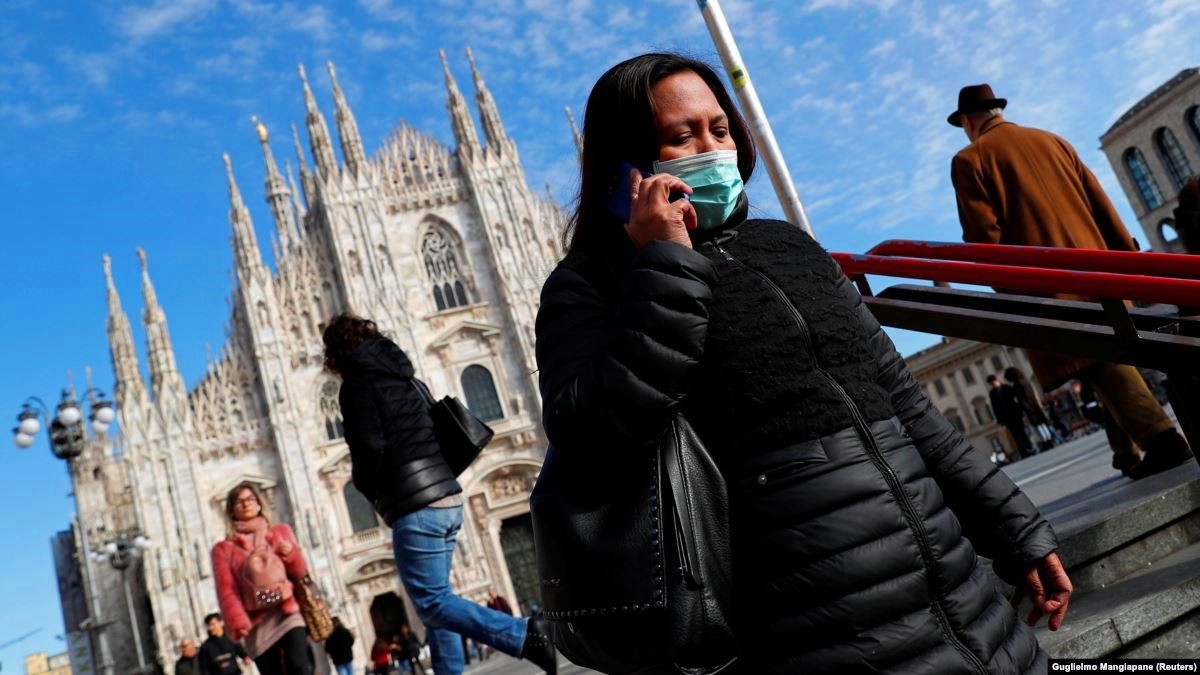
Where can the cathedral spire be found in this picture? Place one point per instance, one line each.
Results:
(297, 207)
(493, 128)
(352, 145)
(575, 132)
(460, 116)
(164, 374)
(318, 132)
(302, 165)
(279, 197)
(129, 388)
(245, 243)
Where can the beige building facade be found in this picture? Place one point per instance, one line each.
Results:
(953, 374)
(1154, 147)
(446, 249)
(41, 663)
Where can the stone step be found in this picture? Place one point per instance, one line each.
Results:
(1155, 610)
(1121, 526)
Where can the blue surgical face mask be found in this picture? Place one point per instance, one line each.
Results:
(715, 180)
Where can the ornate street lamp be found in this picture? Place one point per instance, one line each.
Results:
(68, 440)
(121, 553)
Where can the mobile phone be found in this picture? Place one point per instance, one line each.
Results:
(619, 203)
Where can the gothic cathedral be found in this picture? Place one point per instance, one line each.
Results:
(446, 249)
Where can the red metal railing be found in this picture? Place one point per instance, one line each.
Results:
(1121, 262)
(1116, 275)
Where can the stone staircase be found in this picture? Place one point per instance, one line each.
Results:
(1133, 553)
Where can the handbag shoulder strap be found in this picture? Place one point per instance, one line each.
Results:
(423, 391)
(671, 455)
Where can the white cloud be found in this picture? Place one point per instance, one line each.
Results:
(883, 48)
(144, 22)
(27, 116)
(313, 20)
(379, 41)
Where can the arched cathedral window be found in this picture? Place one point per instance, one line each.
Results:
(480, 390)
(331, 412)
(362, 514)
(1139, 171)
(1193, 121)
(444, 266)
(1171, 153)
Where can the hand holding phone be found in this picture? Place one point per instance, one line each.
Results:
(653, 215)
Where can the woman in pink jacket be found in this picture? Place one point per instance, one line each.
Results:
(253, 567)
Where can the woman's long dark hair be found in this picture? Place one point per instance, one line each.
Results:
(618, 126)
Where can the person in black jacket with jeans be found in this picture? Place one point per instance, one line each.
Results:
(397, 464)
(858, 512)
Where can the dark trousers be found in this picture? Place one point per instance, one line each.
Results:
(1017, 429)
(288, 656)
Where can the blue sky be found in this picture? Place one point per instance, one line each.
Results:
(114, 115)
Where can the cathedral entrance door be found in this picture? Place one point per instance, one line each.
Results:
(387, 615)
(516, 539)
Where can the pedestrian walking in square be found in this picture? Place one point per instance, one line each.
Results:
(1027, 187)
(340, 647)
(398, 465)
(253, 567)
(219, 655)
(188, 663)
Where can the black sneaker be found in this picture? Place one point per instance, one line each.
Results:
(539, 648)
(1164, 451)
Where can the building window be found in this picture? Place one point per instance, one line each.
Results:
(1167, 233)
(954, 419)
(997, 364)
(480, 390)
(1172, 157)
(1139, 171)
(362, 514)
(331, 412)
(941, 388)
(1193, 121)
(983, 412)
(968, 375)
(444, 265)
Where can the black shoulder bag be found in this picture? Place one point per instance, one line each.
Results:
(460, 433)
(635, 561)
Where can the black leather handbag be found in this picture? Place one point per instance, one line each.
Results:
(460, 433)
(635, 561)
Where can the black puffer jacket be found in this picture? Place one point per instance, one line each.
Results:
(396, 460)
(858, 510)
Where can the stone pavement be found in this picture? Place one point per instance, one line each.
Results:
(500, 664)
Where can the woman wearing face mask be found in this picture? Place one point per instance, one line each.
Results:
(857, 510)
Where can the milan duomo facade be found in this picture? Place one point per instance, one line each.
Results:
(446, 250)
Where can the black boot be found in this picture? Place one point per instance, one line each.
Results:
(539, 648)
(1165, 450)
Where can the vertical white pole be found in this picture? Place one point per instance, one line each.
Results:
(760, 128)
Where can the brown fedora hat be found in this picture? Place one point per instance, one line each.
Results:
(975, 98)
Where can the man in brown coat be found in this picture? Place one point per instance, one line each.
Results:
(1028, 187)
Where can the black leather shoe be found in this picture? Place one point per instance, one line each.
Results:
(539, 648)
(1164, 451)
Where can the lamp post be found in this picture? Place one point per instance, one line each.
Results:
(68, 439)
(121, 553)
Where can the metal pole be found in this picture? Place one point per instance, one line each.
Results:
(137, 634)
(760, 128)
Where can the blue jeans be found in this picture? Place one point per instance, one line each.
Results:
(346, 668)
(424, 546)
